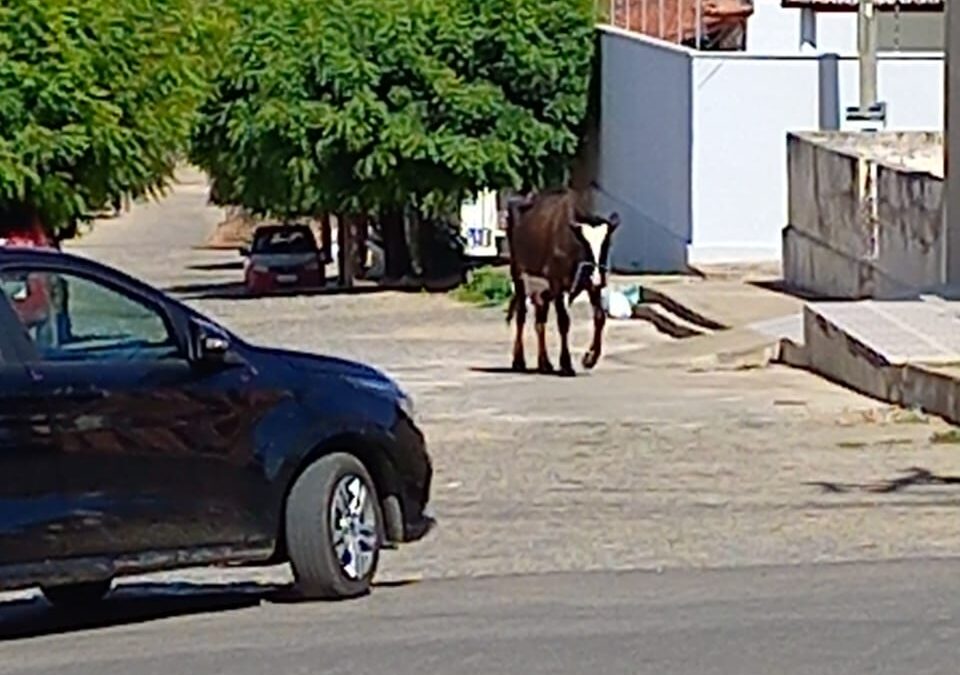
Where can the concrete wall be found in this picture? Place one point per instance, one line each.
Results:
(865, 215)
(645, 137)
(910, 208)
(952, 133)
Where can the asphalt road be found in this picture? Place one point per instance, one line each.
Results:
(893, 618)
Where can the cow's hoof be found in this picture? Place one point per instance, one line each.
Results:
(545, 368)
(567, 371)
(519, 366)
(590, 359)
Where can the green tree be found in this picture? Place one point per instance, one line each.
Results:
(374, 106)
(97, 99)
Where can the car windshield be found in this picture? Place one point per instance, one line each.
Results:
(285, 240)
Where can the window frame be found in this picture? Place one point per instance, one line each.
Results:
(270, 231)
(15, 346)
(33, 356)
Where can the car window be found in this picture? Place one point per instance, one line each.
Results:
(284, 241)
(73, 318)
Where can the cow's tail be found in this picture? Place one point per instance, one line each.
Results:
(513, 216)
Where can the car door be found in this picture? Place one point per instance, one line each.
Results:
(32, 512)
(154, 455)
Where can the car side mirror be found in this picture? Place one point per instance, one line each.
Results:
(245, 251)
(213, 348)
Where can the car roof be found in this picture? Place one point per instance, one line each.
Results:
(39, 254)
(16, 255)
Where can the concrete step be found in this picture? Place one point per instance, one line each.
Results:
(680, 309)
(902, 352)
(666, 321)
(723, 303)
(901, 331)
(733, 349)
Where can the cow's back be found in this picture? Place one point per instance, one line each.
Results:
(541, 241)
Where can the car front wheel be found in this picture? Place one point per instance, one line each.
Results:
(77, 595)
(333, 528)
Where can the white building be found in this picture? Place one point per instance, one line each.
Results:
(692, 143)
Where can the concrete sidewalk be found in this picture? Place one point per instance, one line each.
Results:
(732, 316)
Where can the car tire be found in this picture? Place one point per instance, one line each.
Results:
(334, 529)
(77, 595)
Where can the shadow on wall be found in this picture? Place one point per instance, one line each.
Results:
(643, 163)
(640, 244)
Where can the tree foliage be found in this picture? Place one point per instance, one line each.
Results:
(361, 105)
(97, 99)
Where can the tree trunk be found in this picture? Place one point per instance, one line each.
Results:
(361, 234)
(346, 251)
(326, 236)
(416, 228)
(395, 250)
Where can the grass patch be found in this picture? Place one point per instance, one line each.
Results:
(851, 445)
(485, 287)
(910, 416)
(950, 436)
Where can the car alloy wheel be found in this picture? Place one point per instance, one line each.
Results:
(334, 528)
(353, 527)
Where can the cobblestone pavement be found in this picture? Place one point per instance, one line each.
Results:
(628, 466)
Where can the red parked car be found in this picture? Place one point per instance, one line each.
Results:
(283, 257)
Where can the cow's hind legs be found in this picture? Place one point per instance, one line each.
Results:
(543, 311)
(563, 323)
(519, 301)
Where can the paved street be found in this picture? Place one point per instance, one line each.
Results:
(846, 619)
(701, 476)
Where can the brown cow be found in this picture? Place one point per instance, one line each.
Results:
(556, 249)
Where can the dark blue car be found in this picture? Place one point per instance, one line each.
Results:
(138, 435)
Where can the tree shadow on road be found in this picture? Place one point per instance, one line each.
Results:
(913, 477)
(217, 267)
(233, 290)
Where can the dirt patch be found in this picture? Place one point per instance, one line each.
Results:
(235, 231)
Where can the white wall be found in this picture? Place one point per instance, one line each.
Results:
(644, 156)
(744, 105)
(743, 108)
(693, 144)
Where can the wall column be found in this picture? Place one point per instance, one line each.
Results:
(951, 147)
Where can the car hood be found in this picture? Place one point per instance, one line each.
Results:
(357, 374)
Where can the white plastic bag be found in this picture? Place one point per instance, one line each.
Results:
(617, 305)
